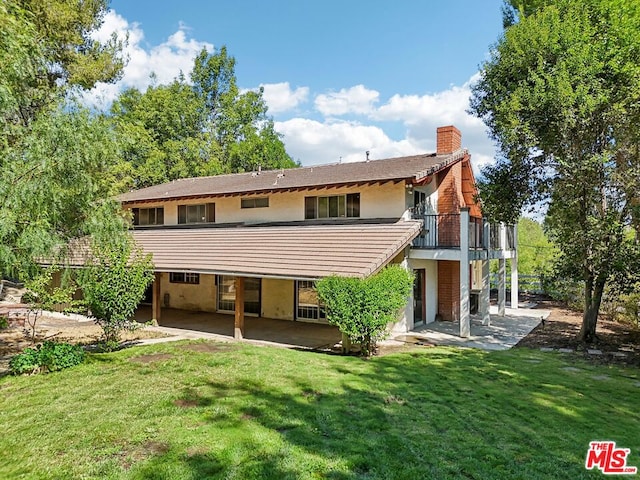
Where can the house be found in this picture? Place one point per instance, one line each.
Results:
(254, 243)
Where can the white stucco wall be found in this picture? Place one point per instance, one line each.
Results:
(379, 201)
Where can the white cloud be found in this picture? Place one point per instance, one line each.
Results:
(281, 98)
(165, 61)
(323, 139)
(314, 142)
(357, 99)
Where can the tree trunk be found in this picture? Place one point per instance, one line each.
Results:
(592, 299)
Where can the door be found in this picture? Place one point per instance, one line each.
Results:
(419, 202)
(418, 297)
(227, 295)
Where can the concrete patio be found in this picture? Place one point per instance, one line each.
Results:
(502, 333)
(218, 326)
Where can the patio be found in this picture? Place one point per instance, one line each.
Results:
(259, 330)
(502, 333)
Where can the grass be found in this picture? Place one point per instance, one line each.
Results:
(206, 410)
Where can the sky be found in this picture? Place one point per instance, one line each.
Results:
(339, 77)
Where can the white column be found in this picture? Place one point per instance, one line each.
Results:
(485, 293)
(405, 324)
(502, 274)
(465, 317)
(514, 270)
(502, 284)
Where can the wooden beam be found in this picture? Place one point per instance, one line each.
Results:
(156, 301)
(238, 330)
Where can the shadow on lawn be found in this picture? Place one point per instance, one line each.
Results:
(437, 415)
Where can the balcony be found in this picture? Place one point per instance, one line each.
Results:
(443, 232)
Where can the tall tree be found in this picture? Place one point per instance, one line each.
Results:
(55, 186)
(46, 50)
(55, 158)
(561, 97)
(206, 127)
(163, 136)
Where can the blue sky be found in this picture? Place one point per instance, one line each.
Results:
(340, 77)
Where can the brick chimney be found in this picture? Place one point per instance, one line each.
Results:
(449, 140)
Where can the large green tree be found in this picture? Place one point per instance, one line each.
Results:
(561, 97)
(55, 158)
(203, 127)
(46, 50)
(55, 185)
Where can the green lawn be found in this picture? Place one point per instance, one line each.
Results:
(243, 412)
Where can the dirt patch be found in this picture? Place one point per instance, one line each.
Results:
(209, 347)
(155, 448)
(142, 452)
(151, 358)
(618, 342)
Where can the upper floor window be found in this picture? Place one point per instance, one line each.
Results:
(203, 213)
(184, 277)
(254, 202)
(148, 216)
(335, 206)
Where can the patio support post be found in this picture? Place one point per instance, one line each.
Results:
(485, 292)
(465, 317)
(238, 329)
(502, 286)
(502, 274)
(514, 270)
(156, 300)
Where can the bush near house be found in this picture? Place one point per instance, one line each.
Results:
(113, 286)
(48, 357)
(363, 308)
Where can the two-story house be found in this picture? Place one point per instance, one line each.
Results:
(254, 243)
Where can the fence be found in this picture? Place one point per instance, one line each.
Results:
(526, 283)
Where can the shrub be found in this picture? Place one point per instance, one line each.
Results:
(363, 308)
(48, 357)
(567, 291)
(113, 285)
(4, 323)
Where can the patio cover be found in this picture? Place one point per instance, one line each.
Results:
(288, 251)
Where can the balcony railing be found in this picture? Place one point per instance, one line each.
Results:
(443, 231)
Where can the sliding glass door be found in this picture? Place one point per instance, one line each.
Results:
(227, 295)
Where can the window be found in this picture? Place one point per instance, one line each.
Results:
(336, 206)
(184, 277)
(256, 202)
(308, 305)
(204, 213)
(148, 216)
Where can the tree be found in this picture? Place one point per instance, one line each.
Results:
(114, 282)
(536, 254)
(42, 295)
(560, 96)
(56, 185)
(46, 50)
(363, 308)
(205, 128)
(163, 136)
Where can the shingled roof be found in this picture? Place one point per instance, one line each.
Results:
(288, 251)
(412, 168)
